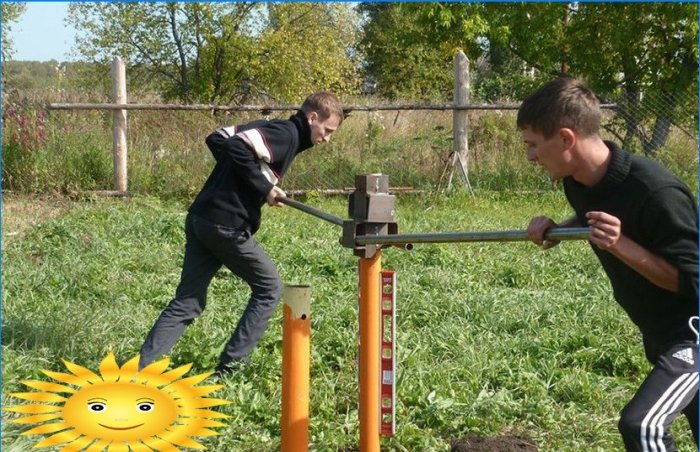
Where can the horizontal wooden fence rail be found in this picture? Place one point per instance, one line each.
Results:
(270, 108)
(460, 104)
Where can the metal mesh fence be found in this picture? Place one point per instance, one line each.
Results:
(649, 123)
(414, 147)
(72, 149)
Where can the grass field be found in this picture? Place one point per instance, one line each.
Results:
(493, 339)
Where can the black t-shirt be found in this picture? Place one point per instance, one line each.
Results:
(658, 212)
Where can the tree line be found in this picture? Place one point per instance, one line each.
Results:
(231, 53)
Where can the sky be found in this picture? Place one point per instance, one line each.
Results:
(41, 34)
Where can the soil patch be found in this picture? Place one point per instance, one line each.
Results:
(473, 443)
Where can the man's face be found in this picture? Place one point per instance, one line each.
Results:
(552, 153)
(321, 130)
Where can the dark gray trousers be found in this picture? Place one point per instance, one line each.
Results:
(208, 247)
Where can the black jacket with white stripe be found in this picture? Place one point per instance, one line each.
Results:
(250, 160)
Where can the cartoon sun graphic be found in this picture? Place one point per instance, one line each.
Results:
(122, 409)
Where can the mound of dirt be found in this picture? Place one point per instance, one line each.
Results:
(473, 443)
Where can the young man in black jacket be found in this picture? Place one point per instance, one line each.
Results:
(221, 222)
(644, 231)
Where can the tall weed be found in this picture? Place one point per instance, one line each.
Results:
(66, 151)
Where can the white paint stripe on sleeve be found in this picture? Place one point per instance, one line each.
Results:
(255, 140)
(268, 173)
(227, 132)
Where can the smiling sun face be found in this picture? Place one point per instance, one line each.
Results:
(126, 412)
(121, 408)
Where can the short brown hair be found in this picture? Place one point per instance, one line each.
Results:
(325, 104)
(563, 102)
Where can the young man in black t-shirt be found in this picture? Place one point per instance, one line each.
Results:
(644, 231)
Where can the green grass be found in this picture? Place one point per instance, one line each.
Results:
(492, 338)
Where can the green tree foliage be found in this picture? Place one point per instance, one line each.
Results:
(11, 13)
(306, 47)
(44, 81)
(32, 75)
(649, 64)
(628, 52)
(161, 41)
(401, 56)
(224, 65)
(410, 48)
(224, 52)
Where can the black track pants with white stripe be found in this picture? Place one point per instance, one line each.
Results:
(670, 389)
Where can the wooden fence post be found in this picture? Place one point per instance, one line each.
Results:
(119, 150)
(460, 120)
